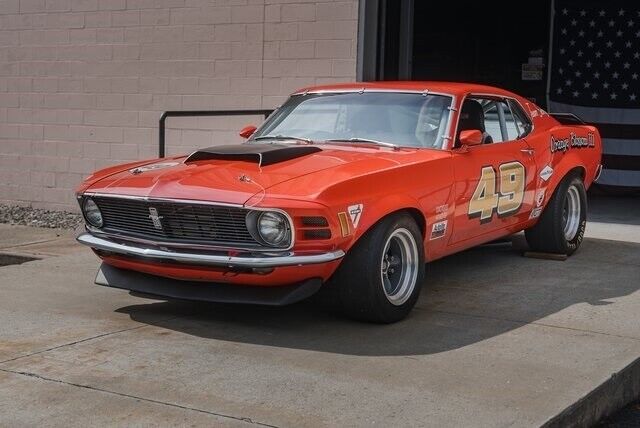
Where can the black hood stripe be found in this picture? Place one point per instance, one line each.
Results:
(262, 154)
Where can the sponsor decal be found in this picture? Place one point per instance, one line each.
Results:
(572, 141)
(355, 212)
(438, 230)
(559, 145)
(161, 165)
(344, 224)
(540, 197)
(546, 173)
(535, 213)
(578, 141)
(441, 212)
(155, 218)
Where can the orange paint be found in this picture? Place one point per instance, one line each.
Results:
(436, 185)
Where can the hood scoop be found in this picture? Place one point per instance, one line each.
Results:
(262, 154)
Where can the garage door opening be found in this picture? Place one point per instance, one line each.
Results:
(472, 42)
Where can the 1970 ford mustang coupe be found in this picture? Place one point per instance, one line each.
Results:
(351, 188)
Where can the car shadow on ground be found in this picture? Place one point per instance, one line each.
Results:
(469, 297)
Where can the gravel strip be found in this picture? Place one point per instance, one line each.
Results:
(28, 216)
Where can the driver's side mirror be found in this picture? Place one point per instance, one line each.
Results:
(471, 137)
(247, 131)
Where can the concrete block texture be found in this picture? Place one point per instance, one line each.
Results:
(84, 82)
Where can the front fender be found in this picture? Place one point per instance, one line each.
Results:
(419, 188)
(380, 208)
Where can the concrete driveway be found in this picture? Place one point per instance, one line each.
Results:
(496, 340)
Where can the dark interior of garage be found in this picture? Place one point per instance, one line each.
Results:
(592, 73)
(482, 42)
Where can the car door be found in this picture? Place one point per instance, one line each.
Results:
(494, 181)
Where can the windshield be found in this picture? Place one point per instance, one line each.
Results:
(403, 119)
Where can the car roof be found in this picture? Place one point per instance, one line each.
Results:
(453, 88)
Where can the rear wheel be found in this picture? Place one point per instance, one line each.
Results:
(381, 276)
(563, 222)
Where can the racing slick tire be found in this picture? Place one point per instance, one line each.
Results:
(380, 278)
(562, 224)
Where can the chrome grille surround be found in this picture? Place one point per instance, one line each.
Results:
(184, 223)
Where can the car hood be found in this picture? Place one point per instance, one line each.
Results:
(235, 181)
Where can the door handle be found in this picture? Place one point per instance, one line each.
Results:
(529, 152)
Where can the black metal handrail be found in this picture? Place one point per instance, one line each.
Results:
(196, 113)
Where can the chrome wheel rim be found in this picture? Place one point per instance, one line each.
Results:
(399, 266)
(571, 213)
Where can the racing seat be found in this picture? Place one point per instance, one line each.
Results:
(472, 117)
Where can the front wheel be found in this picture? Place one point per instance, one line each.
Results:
(563, 222)
(381, 276)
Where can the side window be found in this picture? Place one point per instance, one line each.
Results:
(512, 128)
(522, 121)
(500, 121)
(492, 120)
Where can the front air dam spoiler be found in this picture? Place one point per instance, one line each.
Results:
(110, 276)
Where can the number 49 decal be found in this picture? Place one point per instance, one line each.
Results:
(507, 200)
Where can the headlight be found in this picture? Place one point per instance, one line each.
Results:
(273, 227)
(92, 213)
(270, 228)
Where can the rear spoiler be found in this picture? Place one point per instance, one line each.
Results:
(567, 118)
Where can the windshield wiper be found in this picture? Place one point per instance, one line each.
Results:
(362, 141)
(282, 137)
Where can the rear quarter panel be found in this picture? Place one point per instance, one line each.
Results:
(587, 154)
(564, 149)
(561, 147)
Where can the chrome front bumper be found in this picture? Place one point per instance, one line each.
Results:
(250, 261)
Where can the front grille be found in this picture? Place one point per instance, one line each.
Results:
(179, 222)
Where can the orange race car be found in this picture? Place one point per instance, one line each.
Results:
(350, 188)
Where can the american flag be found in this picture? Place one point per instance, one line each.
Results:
(595, 73)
